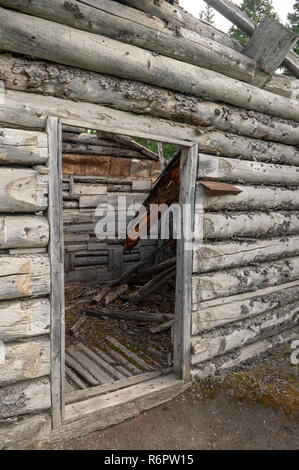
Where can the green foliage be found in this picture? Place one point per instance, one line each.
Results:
(293, 23)
(168, 149)
(207, 15)
(257, 10)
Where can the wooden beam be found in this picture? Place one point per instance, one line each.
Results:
(63, 44)
(234, 14)
(182, 323)
(56, 254)
(23, 231)
(269, 44)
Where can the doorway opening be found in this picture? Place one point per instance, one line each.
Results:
(120, 290)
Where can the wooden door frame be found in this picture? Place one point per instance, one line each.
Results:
(182, 326)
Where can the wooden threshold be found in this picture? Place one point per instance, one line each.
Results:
(100, 412)
(79, 395)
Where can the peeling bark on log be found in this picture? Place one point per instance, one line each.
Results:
(254, 198)
(188, 47)
(24, 276)
(234, 254)
(230, 145)
(28, 231)
(27, 360)
(24, 318)
(222, 340)
(63, 44)
(240, 355)
(22, 190)
(25, 432)
(250, 224)
(226, 283)
(212, 314)
(28, 397)
(60, 81)
(235, 170)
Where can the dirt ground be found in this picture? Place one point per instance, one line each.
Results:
(255, 406)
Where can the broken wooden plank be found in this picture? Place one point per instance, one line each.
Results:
(163, 327)
(134, 315)
(90, 366)
(116, 375)
(129, 354)
(80, 370)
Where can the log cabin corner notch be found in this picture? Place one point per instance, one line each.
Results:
(237, 291)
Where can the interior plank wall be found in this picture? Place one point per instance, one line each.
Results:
(102, 170)
(24, 281)
(245, 284)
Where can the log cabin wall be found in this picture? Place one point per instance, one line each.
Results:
(98, 170)
(245, 283)
(170, 83)
(24, 286)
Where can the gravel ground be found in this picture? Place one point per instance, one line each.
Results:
(255, 406)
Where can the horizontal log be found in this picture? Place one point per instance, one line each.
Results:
(284, 86)
(24, 318)
(242, 354)
(25, 432)
(24, 398)
(22, 155)
(254, 198)
(21, 138)
(214, 313)
(250, 224)
(63, 44)
(23, 361)
(19, 231)
(86, 139)
(211, 257)
(48, 78)
(122, 122)
(235, 170)
(22, 190)
(24, 276)
(157, 37)
(225, 339)
(181, 18)
(99, 150)
(133, 315)
(235, 281)
(230, 145)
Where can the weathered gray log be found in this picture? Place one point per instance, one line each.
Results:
(225, 283)
(127, 141)
(24, 318)
(28, 397)
(63, 44)
(235, 170)
(269, 44)
(24, 361)
(210, 257)
(114, 294)
(234, 14)
(56, 80)
(238, 355)
(157, 268)
(254, 198)
(78, 324)
(24, 276)
(250, 224)
(163, 327)
(25, 432)
(134, 315)
(87, 139)
(99, 150)
(21, 138)
(187, 47)
(22, 190)
(230, 145)
(218, 312)
(215, 343)
(22, 155)
(153, 285)
(19, 231)
(284, 86)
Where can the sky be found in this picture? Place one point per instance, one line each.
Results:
(282, 7)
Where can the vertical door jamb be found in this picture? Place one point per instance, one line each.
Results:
(56, 254)
(183, 301)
